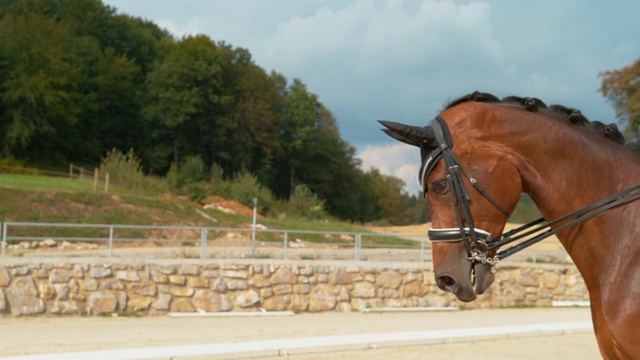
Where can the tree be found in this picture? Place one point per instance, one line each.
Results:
(622, 88)
(253, 111)
(70, 74)
(185, 103)
(300, 117)
(387, 190)
(115, 121)
(316, 155)
(38, 81)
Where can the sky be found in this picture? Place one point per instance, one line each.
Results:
(403, 60)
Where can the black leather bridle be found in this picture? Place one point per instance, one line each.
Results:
(479, 243)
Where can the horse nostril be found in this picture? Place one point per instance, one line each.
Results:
(446, 282)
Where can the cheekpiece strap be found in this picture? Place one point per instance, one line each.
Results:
(432, 156)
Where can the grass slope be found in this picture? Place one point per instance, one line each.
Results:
(31, 198)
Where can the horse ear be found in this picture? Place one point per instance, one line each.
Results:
(408, 134)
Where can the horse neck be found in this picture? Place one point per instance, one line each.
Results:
(564, 169)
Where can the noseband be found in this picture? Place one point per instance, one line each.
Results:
(479, 243)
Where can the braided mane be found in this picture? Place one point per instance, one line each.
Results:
(534, 104)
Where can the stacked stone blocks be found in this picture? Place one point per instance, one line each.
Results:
(42, 288)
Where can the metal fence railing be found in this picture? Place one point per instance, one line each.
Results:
(110, 240)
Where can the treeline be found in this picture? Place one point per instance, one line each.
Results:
(78, 79)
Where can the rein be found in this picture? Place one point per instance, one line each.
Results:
(478, 243)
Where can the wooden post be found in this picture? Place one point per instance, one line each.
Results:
(95, 179)
(81, 172)
(106, 183)
(70, 171)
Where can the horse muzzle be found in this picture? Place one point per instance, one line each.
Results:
(470, 278)
(474, 280)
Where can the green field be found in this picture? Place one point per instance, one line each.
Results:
(34, 182)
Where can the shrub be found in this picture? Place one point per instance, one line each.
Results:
(245, 187)
(125, 171)
(192, 169)
(198, 190)
(217, 173)
(10, 165)
(304, 203)
(155, 185)
(173, 177)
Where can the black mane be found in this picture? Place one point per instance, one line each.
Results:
(531, 104)
(474, 96)
(534, 104)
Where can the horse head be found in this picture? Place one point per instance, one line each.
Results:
(468, 200)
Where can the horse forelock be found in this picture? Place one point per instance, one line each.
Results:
(532, 104)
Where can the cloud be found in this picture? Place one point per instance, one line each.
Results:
(193, 27)
(623, 52)
(399, 160)
(399, 60)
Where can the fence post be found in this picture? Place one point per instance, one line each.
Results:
(356, 256)
(111, 241)
(95, 179)
(70, 170)
(106, 183)
(253, 233)
(81, 172)
(359, 246)
(203, 244)
(286, 236)
(4, 239)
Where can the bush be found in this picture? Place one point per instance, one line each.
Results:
(217, 173)
(154, 185)
(10, 165)
(197, 191)
(304, 203)
(245, 187)
(218, 185)
(125, 171)
(173, 178)
(192, 170)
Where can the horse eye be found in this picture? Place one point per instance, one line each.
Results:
(440, 186)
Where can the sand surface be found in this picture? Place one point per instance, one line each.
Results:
(39, 335)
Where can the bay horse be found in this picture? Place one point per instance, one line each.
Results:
(481, 153)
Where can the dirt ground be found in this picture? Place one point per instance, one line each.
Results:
(38, 335)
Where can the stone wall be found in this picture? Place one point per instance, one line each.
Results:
(93, 287)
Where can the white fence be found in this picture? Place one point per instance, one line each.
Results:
(109, 240)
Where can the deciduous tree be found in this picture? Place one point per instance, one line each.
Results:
(622, 88)
(38, 81)
(185, 102)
